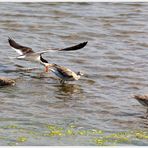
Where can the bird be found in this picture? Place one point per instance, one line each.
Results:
(26, 53)
(6, 81)
(64, 73)
(143, 99)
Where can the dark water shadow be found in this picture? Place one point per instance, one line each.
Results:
(67, 91)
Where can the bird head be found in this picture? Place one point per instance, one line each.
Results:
(80, 73)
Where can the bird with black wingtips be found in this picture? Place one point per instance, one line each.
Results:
(26, 53)
(64, 73)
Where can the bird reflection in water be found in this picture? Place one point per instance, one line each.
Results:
(68, 91)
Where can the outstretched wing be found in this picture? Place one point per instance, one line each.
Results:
(19, 48)
(76, 47)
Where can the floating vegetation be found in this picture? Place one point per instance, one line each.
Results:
(10, 127)
(21, 139)
(113, 139)
(122, 138)
(96, 136)
(69, 132)
(141, 134)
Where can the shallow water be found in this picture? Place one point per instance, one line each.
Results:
(114, 62)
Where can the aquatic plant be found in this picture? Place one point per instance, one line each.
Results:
(96, 136)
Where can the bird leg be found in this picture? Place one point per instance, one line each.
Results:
(46, 68)
(147, 113)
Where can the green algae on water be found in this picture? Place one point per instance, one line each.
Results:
(96, 136)
(22, 139)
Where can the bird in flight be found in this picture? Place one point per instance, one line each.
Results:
(26, 53)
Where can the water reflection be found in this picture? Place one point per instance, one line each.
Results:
(67, 91)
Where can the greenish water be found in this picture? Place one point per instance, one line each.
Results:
(72, 134)
(99, 108)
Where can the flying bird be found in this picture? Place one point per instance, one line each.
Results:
(26, 53)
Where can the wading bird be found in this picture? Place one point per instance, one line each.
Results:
(6, 81)
(143, 99)
(64, 73)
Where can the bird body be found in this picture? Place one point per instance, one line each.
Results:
(33, 57)
(64, 73)
(6, 81)
(143, 99)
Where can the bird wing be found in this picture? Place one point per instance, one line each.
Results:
(19, 48)
(64, 71)
(76, 47)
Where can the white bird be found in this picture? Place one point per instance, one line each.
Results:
(26, 53)
(64, 73)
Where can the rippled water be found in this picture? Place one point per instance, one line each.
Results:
(115, 64)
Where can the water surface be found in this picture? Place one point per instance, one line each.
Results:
(115, 64)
